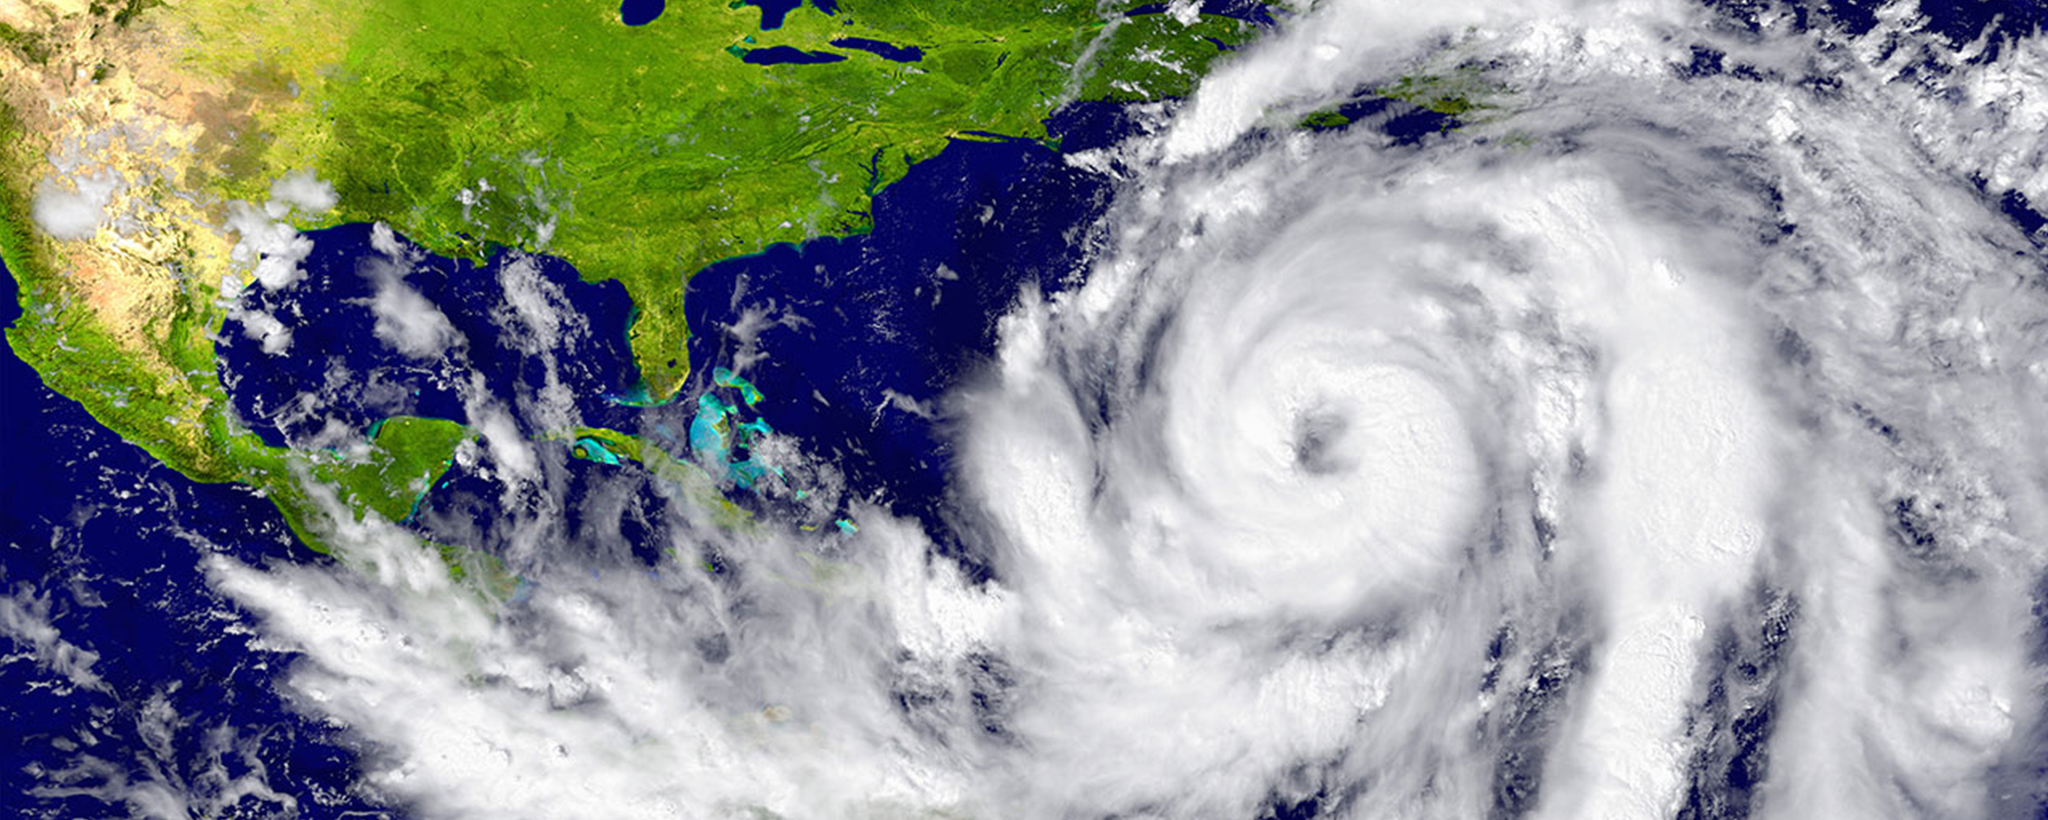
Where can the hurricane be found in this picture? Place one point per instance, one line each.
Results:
(1669, 438)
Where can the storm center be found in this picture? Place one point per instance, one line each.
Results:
(1319, 439)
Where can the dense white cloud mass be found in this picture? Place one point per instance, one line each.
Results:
(77, 207)
(1524, 473)
(303, 191)
(265, 239)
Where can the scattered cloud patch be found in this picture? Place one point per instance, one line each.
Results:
(304, 192)
(85, 192)
(533, 321)
(408, 322)
(536, 309)
(265, 328)
(26, 620)
(507, 445)
(386, 242)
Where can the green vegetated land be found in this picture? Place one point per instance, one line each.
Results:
(1456, 93)
(1463, 93)
(695, 484)
(388, 476)
(157, 393)
(17, 247)
(644, 154)
(183, 426)
(405, 457)
(637, 154)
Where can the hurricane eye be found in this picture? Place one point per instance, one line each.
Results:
(1319, 438)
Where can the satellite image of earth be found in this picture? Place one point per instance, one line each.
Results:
(1052, 410)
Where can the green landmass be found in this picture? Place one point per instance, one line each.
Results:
(1459, 93)
(1325, 119)
(644, 154)
(637, 154)
(166, 397)
(695, 484)
(17, 237)
(1153, 56)
(30, 46)
(404, 458)
(387, 476)
(161, 396)
(1454, 93)
(481, 571)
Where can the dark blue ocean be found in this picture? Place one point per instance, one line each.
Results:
(102, 548)
(103, 545)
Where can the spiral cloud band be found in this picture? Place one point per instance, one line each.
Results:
(1660, 443)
